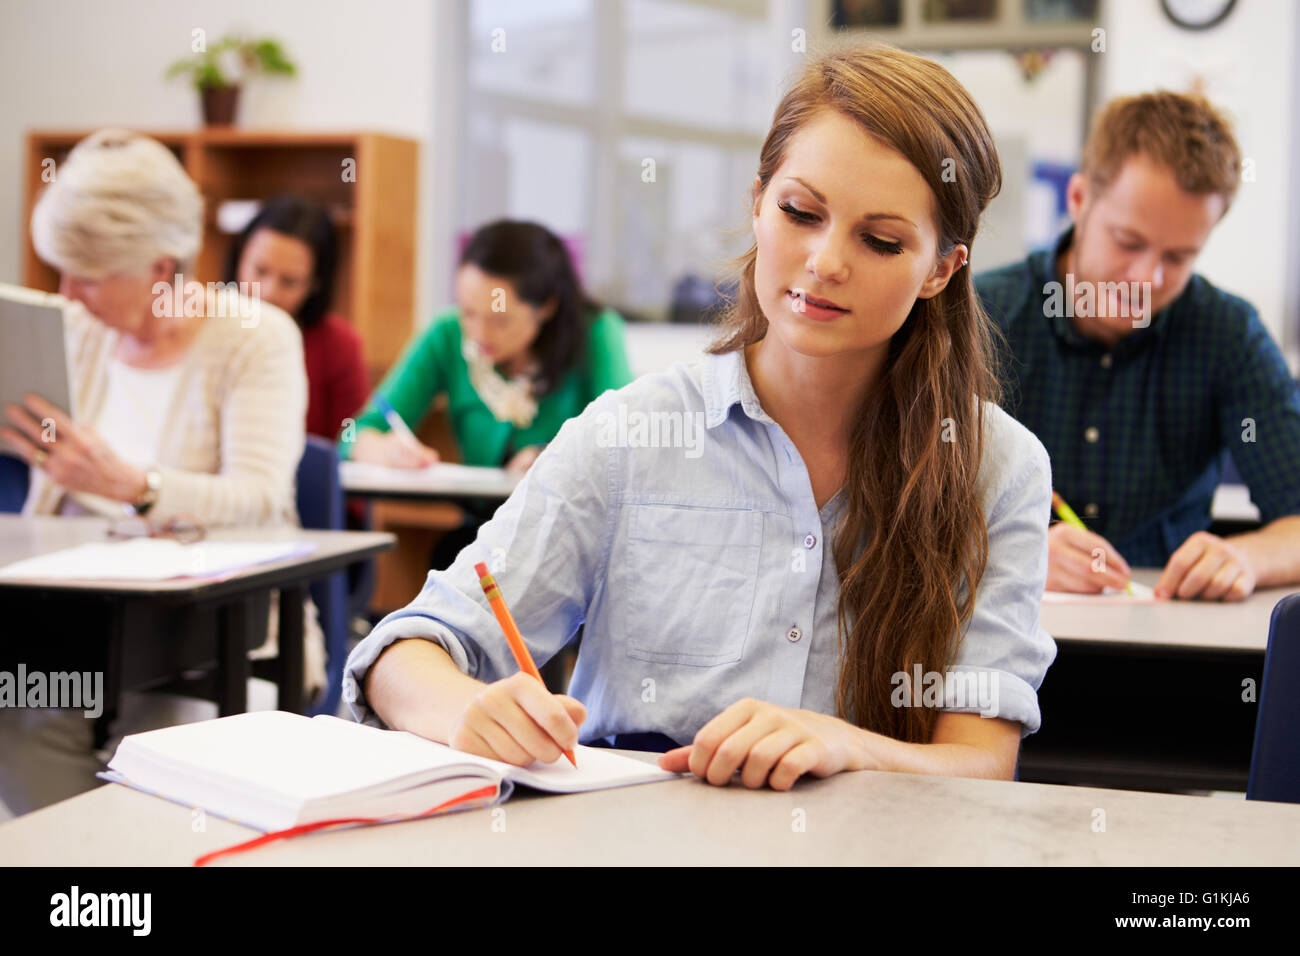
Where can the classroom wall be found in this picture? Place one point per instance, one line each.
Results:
(82, 63)
(1247, 65)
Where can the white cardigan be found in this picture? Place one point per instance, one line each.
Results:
(232, 439)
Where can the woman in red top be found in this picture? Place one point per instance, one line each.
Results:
(291, 250)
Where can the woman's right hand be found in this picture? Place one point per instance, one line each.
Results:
(518, 721)
(391, 449)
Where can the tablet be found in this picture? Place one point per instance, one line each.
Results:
(32, 353)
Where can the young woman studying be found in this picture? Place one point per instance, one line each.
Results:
(524, 350)
(844, 512)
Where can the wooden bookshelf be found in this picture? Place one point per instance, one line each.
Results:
(375, 214)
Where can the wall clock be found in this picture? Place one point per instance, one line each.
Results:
(1197, 14)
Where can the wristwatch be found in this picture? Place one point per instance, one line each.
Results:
(153, 485)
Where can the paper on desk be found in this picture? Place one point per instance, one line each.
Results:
(151, 559)
(597, 769)
(469, 477)
(1141, 595)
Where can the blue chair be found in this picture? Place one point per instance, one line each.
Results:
(320, 506)
(13, 484)
(1275, 761)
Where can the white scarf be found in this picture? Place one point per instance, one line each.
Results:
(509, 400)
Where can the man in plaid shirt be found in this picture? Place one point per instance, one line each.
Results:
(1136, 374)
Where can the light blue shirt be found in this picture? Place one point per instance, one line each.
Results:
(675, 521)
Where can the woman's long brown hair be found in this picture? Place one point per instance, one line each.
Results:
(912, 544)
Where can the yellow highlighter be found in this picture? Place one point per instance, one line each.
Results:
(1066, 514)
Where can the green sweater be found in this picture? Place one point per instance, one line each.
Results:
(432, 364)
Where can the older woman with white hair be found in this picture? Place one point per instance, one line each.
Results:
(193, 411)
(178, 414)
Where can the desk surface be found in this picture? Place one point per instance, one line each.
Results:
(27, 537)
(1239, 626)
(1232, 503)
(439, 483)
(851, 818)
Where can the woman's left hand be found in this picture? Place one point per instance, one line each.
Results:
(523, 459)
(769, 745)
(72, 455)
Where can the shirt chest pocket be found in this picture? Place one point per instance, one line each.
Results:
(693, 575)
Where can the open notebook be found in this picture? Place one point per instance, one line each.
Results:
(273, 770)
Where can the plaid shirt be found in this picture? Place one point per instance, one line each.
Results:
(1136, 433)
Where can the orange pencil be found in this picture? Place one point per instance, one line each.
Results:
(513, 637)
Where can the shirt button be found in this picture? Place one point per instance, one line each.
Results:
(810, 541)
(1090, 435)
(1106, 360)
(1091, 510)
(793, 634)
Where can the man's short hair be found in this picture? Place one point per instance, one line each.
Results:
(1182, 132)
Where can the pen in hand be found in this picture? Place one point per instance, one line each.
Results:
(1066, 514)
(395, 421)
(399, 428)
(513, 637)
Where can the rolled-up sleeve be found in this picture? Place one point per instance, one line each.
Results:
(546, 546)
(1005, 650)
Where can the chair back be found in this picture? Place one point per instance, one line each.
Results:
(320, 507)
(1275, 760)
(14, 478)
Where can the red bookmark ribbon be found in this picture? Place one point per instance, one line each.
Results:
(305, 828)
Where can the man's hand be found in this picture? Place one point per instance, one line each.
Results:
(1207, 567)
(1082, 562)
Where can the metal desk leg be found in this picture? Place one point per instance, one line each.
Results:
(291, 656)
(111, 661)
(232, 657)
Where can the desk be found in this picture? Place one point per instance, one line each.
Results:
(862, 818)
(1168, 625)
(229, 599)
(1232, 503)
(419, 505)
(440, 483)
(1150, 695)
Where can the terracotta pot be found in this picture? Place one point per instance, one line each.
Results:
(219, 104)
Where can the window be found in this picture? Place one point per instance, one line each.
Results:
(631, 128)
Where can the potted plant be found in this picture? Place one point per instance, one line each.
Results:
(217, 72)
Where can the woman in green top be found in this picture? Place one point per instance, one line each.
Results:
(524, 350)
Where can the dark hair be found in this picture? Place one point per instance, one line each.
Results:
(308, 221)
(536, 263)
